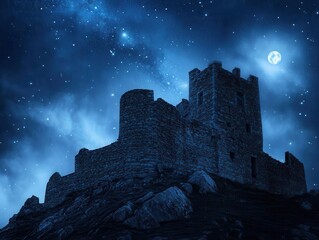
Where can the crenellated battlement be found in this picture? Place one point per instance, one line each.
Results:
(219, 129)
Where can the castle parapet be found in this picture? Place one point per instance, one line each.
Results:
(236, 72)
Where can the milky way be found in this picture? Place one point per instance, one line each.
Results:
(64, 65)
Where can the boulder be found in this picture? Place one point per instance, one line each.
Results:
(304, 227)
(123, 212)
(298, 233)
(93, 209)
(146, 197)
(78, 204)
(238, 224)
(306, 205)
(125, 236)
(169, 205)
(48, 223)
(97, 191)
(64, 233)
(205, 183)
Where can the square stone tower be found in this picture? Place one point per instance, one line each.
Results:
(230, 104)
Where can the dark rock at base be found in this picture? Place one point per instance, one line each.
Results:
(145, 197)
(169, 205)
(236, 233)
(304, 227)
(125, 236)
(78, 204)
(302, 234)
(238, 224)
(93, 209)
(123, 212)
(97, 191)
(205, 183)
(187, 188)
(48, 223)
(65, 233)
(306, 205)
(259, 215)
(30, 207)
(159, 238)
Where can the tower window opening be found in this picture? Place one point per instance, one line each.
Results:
(248, 128)
(240, 99)
(253, 167)
(200, 98)
(232, 155)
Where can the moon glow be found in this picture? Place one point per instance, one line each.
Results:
(274, 57)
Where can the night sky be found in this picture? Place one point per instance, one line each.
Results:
(65, 63)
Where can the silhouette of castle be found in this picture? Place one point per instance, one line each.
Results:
(218, 130)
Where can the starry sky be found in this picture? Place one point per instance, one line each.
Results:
(65, 63)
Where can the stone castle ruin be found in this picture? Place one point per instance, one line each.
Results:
(218, 129)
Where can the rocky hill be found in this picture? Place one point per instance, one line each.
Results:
(199, 206)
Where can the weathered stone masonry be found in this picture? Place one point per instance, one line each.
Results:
(219, 130)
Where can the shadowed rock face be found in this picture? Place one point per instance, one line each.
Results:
(205, 183)
(170, 207)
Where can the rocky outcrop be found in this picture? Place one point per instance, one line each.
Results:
(31, 207)
(123, 213)
(48, 223)
(161, 210)
(145, 197)
(169, 205)
(205, 183)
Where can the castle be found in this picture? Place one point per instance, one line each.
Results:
(218, 129)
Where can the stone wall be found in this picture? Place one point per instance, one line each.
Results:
(297, 177)
(184, 145)
(183, 108)
(286, 178)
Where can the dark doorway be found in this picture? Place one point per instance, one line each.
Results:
(253, 167)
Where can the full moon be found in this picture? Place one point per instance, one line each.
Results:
(274, 57)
